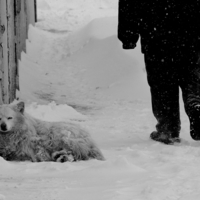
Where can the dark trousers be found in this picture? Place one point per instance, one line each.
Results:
(166, 72)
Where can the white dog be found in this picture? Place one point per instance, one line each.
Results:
(23, 137)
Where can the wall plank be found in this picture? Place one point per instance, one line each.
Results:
(30, 12)
(2, 30)
(4, 67)
(12, 65)
(15, 17)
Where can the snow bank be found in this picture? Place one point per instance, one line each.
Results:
(42, 5)
(53, 112)
(66, 15)
(30, 68)
(89, 5)
(99, 28)
(2, 197)
(97, 65)
(105, 65)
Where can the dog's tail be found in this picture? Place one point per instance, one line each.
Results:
(96, 153)
(85, 150)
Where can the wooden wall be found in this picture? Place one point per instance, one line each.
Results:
(15, 17)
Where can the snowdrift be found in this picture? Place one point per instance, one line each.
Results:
(107, 67)
(66, 15)
(43, 5)
(98, 60)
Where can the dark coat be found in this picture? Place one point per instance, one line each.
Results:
(162, 24)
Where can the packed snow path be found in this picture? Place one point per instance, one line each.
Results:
(74, 69)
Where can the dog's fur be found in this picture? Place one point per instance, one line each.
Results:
(23, 137)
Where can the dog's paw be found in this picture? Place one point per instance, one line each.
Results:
(62, 156)
(42, 155)
(65, 158)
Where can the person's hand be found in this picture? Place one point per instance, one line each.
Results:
(129, 46)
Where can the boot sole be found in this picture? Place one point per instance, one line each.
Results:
(165, 140)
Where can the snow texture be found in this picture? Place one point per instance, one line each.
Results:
(75, 69)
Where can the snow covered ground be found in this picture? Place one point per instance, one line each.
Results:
(75, 69)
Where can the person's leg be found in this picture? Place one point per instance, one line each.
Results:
(190, 85)
(163, 82)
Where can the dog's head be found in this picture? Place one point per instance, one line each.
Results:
(10, 116)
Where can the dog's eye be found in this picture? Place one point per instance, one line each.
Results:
(9, 117)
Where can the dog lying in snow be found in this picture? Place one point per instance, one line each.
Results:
(23, 137)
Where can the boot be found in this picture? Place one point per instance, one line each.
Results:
(165, 138)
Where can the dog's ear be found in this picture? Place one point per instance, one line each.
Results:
(20, 106)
